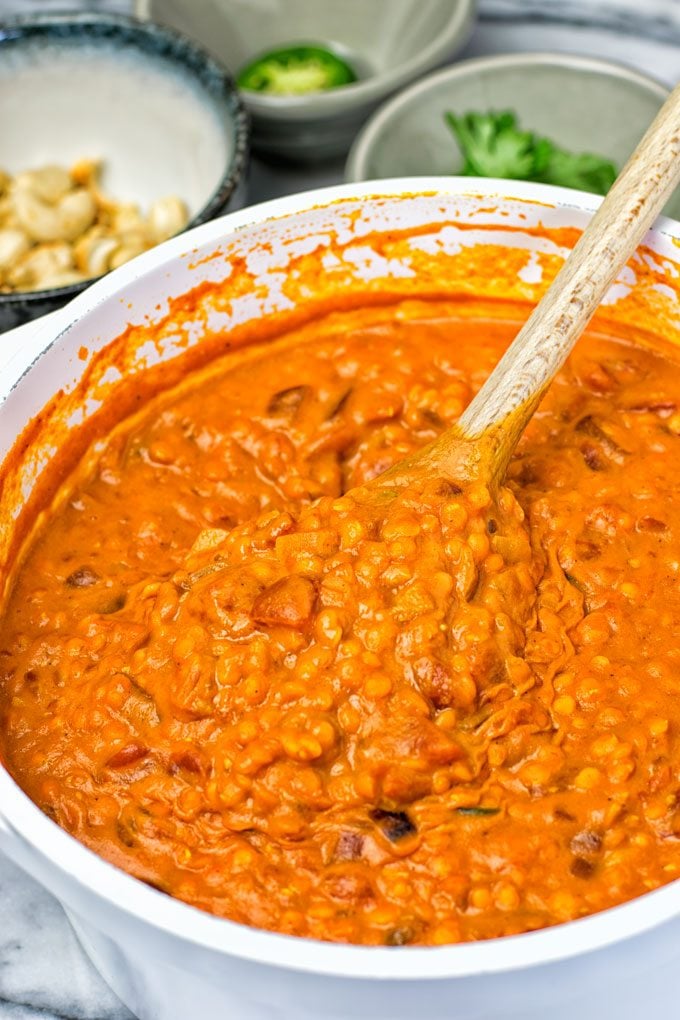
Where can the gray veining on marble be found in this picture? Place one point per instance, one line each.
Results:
(43, 971)
(657, 19)
(44, 975)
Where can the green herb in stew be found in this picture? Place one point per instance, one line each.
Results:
(477, 811)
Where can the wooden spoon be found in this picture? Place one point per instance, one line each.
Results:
(476, 451)
(382, 606)
(480, 445)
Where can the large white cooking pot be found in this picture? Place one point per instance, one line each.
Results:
(166, 960)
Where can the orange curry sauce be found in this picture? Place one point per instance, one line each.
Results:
(456, 722)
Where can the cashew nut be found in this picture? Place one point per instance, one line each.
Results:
(13, 244)
(64, 279)
(86, 172)
(64, 220)
(132, 244)
(93, 253)
(167, 216)
(38, 264)
(57, 227)
(7, 215)
(126, 218)
(49, 184)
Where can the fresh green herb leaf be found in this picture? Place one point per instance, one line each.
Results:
(575, 583)
(493, 145)
(477, 811)
(579, 170)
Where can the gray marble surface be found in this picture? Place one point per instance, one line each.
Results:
(43, 973)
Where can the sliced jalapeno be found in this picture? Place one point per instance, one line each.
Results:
(295, 71)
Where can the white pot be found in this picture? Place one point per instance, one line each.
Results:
(165, 959)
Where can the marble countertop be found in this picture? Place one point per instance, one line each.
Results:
(44, 975)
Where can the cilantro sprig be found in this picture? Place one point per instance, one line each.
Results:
(493, 145)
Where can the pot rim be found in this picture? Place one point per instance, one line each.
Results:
(21, 821)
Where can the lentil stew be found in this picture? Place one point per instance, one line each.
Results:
(452, 720)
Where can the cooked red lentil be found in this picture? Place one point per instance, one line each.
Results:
(449, 718)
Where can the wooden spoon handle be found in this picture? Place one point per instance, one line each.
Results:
(501, 410)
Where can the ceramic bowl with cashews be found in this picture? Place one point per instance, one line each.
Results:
(57, 228)
(114, 136)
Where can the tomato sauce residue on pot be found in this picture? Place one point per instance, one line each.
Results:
(454, 720)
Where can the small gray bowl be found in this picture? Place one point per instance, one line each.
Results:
(162, 114)
(388, 42)
(582, 104)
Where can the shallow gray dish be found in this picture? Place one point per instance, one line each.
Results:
(389, 43)
(582, 104)
(162, 114)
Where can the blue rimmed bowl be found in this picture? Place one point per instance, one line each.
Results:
(163, 115)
